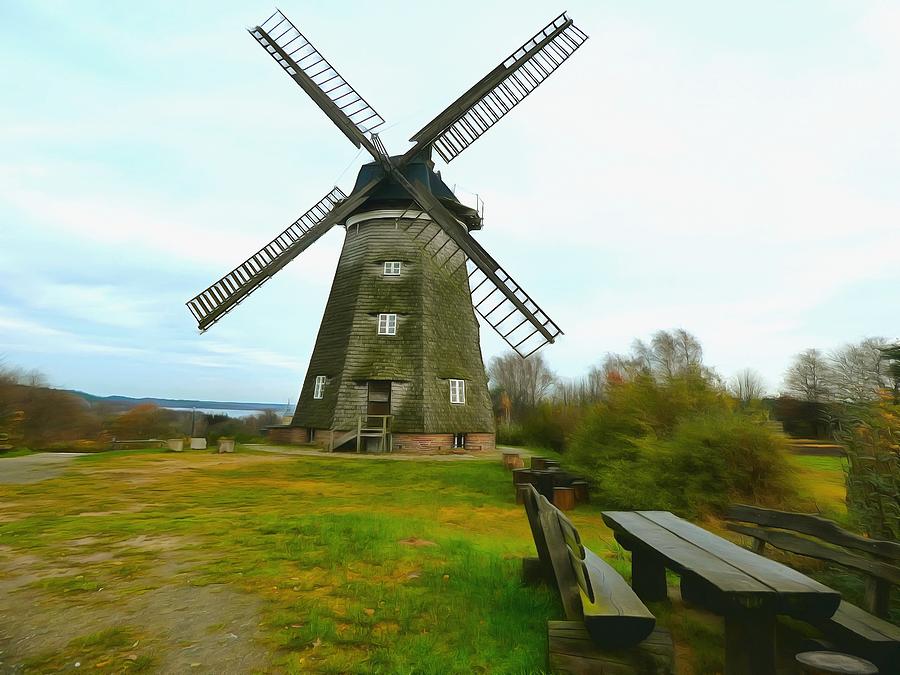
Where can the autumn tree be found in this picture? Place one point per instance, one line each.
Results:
(142, 422)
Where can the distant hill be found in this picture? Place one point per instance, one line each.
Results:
(130, 402)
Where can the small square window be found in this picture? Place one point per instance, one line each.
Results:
(319, 389)
(387, 324)
(392, 268)
(457, 391)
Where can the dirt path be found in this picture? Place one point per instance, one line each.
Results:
(185, 628)
(35, 468)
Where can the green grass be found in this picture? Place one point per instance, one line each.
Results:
(321, 541)
(18, 452)
(358, 565)
(820, 481)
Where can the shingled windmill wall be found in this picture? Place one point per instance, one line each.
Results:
(437, 339)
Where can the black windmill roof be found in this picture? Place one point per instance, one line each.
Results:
(391, 194)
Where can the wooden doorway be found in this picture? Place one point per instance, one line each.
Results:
(379, 399)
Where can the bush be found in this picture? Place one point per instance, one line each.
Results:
(550, 425)
(679, 446)
(510, 434)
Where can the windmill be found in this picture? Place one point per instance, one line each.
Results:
(397, 361)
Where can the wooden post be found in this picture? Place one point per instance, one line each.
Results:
(878, 597)
(509, 459)
(581, 491)
(648, 576)
(521, 491)
(521, 476)
(564, 498)
(750, 642)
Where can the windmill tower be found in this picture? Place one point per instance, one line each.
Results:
(397, 362)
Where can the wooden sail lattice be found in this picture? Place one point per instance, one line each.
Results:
(503, 89)
(517, 325)
(224, 295)
(496, 297)
(307, 66)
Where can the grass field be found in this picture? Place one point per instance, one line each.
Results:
(162, 562)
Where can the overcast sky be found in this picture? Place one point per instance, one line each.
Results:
(729, 168)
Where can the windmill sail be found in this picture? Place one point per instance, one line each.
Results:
(229, 291)
(311, 70)
(476, 111)
(496, 296)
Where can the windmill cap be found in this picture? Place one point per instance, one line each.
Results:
(418, 170)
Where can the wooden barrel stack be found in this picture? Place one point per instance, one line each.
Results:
(563, 489)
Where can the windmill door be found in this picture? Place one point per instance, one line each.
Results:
(379, 402)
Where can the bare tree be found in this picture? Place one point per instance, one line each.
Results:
(857, 371)
(807, 377)
(525, 381)
(669, 354)
(747, 385)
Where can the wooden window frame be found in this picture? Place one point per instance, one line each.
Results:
(319, 387)
(389, 322)
(389, 269)
(458, 392)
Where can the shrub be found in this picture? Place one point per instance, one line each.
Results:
(510, 434)
(550, 425)
(677, 445)
(713, 460)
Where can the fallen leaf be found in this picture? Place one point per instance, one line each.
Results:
(369, 611)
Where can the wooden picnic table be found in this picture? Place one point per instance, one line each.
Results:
(747, 589)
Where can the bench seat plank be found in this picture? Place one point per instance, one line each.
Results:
(856, 631)
(615, 617)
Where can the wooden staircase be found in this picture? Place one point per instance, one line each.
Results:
(374, 426)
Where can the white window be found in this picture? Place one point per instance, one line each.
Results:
(387, 324)
(457, 391)
(392, 268)
(319, 390)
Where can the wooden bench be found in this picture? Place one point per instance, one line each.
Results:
(608, 629)
(747, 589)
(863, 632)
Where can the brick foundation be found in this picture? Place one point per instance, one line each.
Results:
(401, 442)
(426, 443)
(288, 435)
(478, 442)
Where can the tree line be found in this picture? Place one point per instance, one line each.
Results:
(658, 428)
(36, 416)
